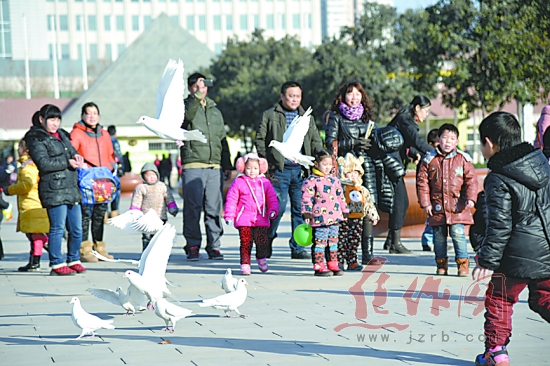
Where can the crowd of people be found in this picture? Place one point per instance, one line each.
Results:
(358, 171)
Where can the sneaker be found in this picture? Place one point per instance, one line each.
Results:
(496, 356)
(78, 268)
(300, 255)
(426, 248)
(245, 269)
(62, 271)
(354, 267)
(262, 264)
(193, 254)
(215, 254)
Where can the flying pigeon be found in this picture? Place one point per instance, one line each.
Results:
(293, 139)
(135, 220)
(228, 283)
(151, 279)
(171, 108)
(131, 302)
(87, 322)
(170, 313)
(230, 301)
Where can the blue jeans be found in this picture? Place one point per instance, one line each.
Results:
(456, 232)
(427, 238)
(60, 217)
(288, 183)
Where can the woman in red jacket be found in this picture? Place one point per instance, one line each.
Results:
(93, 142)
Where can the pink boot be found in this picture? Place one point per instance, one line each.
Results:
(262, 264)
(245, 269)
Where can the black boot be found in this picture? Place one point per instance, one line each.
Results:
(395, 244)
(32, 266)
(388, 240)
(269, 247)
(367, 242)
(1, 250)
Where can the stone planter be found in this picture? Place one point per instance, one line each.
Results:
(128, 183)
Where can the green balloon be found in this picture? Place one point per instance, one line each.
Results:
(303, 235)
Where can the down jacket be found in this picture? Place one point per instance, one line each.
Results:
(251, 202)
(380, 166)
(447, 183)
(58, 183)
(95, 146)
(408, 127)
(32, 217)
(517, 193)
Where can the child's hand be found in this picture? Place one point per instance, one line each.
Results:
(470, 204)
(480, 272)
(374, 222)
(272, 215)
(346, 215)
(173, 211)
(428, 210)
(229, 222)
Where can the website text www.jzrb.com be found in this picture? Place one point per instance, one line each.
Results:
(419, 338)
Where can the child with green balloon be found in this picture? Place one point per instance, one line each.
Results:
(324, 208)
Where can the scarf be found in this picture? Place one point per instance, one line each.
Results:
(351, 113)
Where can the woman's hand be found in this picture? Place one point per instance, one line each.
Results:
(79, 159)
(361, 145)
(74, 164)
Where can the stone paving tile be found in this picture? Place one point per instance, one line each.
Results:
(293, 316)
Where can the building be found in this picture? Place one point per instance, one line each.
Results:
(107, 27)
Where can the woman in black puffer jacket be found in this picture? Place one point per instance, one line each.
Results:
(51, 150)
(346, 131)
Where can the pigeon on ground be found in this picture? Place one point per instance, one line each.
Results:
(131, 302)
(293, 139)
(171, 108)
(228, 283)
(87, 322)
(230, 301)
(151, 279)
(170, 313)
(135, 220)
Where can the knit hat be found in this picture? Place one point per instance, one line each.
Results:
(351, 163)
(241, 163)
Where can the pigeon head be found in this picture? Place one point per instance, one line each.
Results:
(75, 300)
(129, 274)
(272, 143)
(228, 272)
(143, 119)
(118, 289)
(242, 282)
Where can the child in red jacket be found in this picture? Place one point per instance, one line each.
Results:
(251, 203)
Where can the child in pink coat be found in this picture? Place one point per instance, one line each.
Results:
(251, 203)
(324, 207)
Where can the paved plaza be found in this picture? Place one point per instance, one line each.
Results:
(397, 315)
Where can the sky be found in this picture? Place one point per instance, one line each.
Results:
(403, 5)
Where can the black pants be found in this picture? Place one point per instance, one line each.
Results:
(400, 206)
(95, 215)
(146, 238)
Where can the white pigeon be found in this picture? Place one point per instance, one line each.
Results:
(87, 322)
(135, 220)
(170, 313)
(228, 283)
(230, 301)
(171, 108)
(293, 139)
(131, 302)
(151, 279)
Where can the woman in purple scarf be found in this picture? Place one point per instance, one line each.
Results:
(346, 132)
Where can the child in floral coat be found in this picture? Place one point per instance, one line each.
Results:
(360, 205)
(324, 207)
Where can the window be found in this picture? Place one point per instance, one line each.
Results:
(108, 52)
(202, 22)
(282, 20)
(65, 51)
(78, 22)
(91, 1)
(92, 22)
(93, 51)
(135, 22)
(190, 22)
(296, 21)
(107, 22)
(146, 1)
(200, 1)
(5, 30)
(119, 22)
(270, 21)
(79, 50)
(154, 146)
(51, 22)
(63, 23)
(256, 19)
(229, 22)
(218, 48)
(50, 47)
(147, 20)
(121, 47)
(189, 1)
(308, 21)
(217, 22)
(244, 22)
(175, 19)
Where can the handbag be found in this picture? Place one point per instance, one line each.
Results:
(98, 185)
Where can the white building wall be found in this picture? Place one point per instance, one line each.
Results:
(34, 11)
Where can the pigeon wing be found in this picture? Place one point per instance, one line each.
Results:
(293, 139)
(148, 223)
(136, 298)
(170, 105)
(105, 259)
(126, 220)
(177, 311)
(107, 295)
(153, 266)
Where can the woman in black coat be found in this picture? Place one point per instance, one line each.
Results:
(51, 150)
(406, 121)
(346, 131)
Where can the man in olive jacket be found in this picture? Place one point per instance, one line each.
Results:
(287, 176)
(202, 165)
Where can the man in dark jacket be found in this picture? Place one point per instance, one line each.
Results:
(202, 165)
(287, 176)
(516, 243)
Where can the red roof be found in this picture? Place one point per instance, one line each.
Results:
(16, 113)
